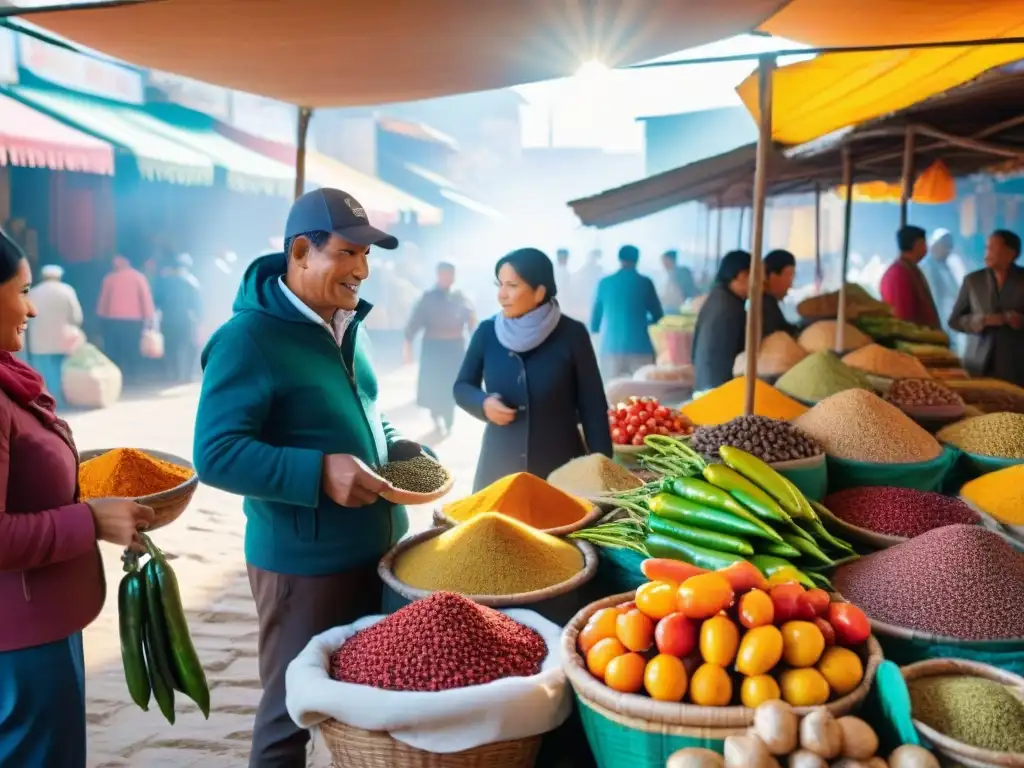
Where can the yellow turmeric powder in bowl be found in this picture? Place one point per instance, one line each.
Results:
(725, 403)
(524, 497)
(128, 473)
(999, 494)
(492, 554)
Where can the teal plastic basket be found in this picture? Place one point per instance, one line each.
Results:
(810, 476)
(618, 570)
(970, 466)
(921, 476)
(904, 647)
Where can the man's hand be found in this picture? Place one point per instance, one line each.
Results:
(497, 412)
(349, 482)
(993, 321)
(1015, 319)
(403, 450)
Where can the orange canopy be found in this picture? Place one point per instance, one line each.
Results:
(320, 53)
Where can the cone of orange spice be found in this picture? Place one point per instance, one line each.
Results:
(524, 497)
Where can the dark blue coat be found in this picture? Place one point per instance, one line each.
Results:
(556, 388)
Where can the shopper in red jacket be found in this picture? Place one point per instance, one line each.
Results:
(51, 577)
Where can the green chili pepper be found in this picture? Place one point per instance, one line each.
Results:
(712, 560)
(821, 580)
(807, 548)
(768, 565)
(711, 539)
(685, 511)
(756, 500)
(816, 529)
(808, 512)
(707, 495)
(776, 548)
(760, 474)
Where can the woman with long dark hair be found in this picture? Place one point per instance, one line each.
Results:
(531, 373)
(51, 576)
(721, 323)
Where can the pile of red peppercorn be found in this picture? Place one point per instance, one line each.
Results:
(898, 511)
(442, 642)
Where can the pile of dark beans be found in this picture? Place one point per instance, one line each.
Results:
(898, 511)
(771, 440)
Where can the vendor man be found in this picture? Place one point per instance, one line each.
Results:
(904, 286)
(287, 418)
(779, 271)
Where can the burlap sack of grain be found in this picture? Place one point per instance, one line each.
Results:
(89, 379)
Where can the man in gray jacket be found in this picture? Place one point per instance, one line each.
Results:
(54, 331)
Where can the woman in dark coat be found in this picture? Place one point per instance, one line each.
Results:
(721, 324)
(532, 374)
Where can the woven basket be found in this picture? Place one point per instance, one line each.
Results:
(863, 535)
(167, 505)
(661, 713)
(957, 751)
(441, 520)
(385, 570)
(356, 748)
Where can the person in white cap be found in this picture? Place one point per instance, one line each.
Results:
(56, 328)
(945, 271)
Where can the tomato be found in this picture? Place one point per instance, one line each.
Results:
(756, 609)
(600, 626)
(601, 654)
(666, 569)
(818, 600)
(710, 686)
(804, 687)
(758, 689)
(719, 639)
(642, 431)
(635, 630)
(664, 431)
(665, 678)
(851, 625)
(625, 607)
(656, 599)
(651, 424)
(622, 413)
(803, 643)
(661, 412)
(618, 436)
(842, 669)
(701, 597)
(633, 421)
(676, 635)
(637, 440)
(644, 415)
(826, 631)
(630, 429)
(786, 599)
(625, 673)
(760, 651)
(743, 577)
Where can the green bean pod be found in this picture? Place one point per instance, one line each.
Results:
(776, 548)
(711, 539)
(709, 559)
(707, 495)
(690, 513)
(761, 474)
(807, 548)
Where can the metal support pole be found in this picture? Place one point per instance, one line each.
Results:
(305, 113)
(707, 242)
(765, 70)
(818, 276)
(718, 235)
(907, 181)
(847, 218)
(739, 229)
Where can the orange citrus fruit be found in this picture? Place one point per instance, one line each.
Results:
(842, 668)
(602, 653)
(710, 686)
(665, 678)
(625, 673)
(803, 687)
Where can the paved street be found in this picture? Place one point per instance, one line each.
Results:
(206, 544)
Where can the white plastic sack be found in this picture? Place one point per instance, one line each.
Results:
(441, 722)
(89, 379)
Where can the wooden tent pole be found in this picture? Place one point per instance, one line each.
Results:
(765, 70)
(817, 238)
(305, 113)
(907, 180)
(718, 235)
(739, 229)
(847, 218)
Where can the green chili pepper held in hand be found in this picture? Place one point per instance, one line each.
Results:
(712, 560)
(807, 548)
(711, 539)
(685, 511)
(768, 565)
(756, 500)
(707, 495)
(776, 548)
(762, 476)
(163, 687)
(131, 616)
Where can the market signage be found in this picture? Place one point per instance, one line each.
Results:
(203, 97)
(8, 56)
(263, 117)
(79, 72)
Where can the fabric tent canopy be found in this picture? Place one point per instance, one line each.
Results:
(342, 53)
(34, 140)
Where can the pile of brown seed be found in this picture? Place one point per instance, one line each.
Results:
(420, 474)
(771, 440)
(860, 426)
(915, 393)
(996, 434)
(889, 363)
(959, 581)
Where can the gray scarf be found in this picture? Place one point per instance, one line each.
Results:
(529, 331)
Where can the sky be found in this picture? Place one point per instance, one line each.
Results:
(599, 107)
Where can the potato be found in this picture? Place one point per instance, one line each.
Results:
(859, 739)
(777, 726)
(747, 752)
(821, 734)
(877, 762)
(911, 756)
(848, 762)
(806, 759)
(695, 758)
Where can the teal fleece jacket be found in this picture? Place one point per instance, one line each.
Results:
(278, 395)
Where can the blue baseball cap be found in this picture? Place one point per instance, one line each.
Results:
(331, 210)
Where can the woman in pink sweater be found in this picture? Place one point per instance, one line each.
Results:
(51, 576)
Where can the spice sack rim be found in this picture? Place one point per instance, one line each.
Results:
(440, 722)
(386, 571)
(679, 714)
(170, 493)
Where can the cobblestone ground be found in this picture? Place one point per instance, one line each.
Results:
(206, 544)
